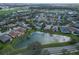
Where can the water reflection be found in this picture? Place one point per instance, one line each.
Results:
(43, 38)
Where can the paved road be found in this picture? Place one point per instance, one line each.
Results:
(57, 50)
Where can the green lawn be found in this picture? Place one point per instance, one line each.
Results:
(13, 50)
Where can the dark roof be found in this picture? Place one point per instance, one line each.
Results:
(5, 38)
(76, 32)
(55, 28)
(65, 30)
(77, 25)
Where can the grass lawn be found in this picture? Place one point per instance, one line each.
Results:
(11, 46)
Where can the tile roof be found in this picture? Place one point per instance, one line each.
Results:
(5, 38)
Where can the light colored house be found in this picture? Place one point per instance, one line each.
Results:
(22, 24)
(47, 27)
(74, 31)
(38, 27)
(17, 32)
(55, 28)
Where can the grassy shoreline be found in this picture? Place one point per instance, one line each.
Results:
(18, 39)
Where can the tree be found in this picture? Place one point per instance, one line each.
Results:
(73, 41)
(65, 52)
(34, 48)
(77, 47)
(45, 52)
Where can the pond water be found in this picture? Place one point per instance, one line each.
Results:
(43, 38)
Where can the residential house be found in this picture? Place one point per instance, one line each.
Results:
(59, 19)
(47, 27)
(22, 24)
(16, 32)
(5, 38)
(76, 24)
(55, 28)
(64, 29)
(74, 30)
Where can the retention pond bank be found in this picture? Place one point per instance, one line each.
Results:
(43, 38)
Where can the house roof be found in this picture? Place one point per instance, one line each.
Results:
(20, 29)
(5, 38)
(13, 33)
(47, 27)
(76, 32)
(64, 29)
(76, 25)
(55, 28)
(16, 32)
(72, 29)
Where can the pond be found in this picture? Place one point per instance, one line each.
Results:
(43, 38)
